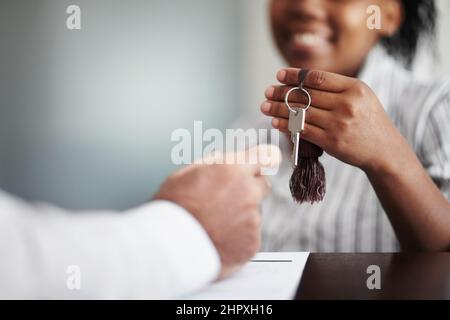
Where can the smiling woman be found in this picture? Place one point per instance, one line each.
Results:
(383, 129)
(335, 39)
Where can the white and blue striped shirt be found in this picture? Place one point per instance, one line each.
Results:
(351, 218)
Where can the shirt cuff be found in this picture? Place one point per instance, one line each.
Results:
(190, 255)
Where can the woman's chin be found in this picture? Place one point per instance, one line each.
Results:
(309, 59)
(309, 62)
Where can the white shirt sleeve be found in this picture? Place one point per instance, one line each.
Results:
(156, 251)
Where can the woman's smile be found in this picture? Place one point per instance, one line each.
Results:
(324, 35)
(302, 44)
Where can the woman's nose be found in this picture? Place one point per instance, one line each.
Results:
(308, 9)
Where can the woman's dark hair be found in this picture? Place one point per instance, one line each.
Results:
(419, 22)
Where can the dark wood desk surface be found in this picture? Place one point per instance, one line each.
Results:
(403, 276)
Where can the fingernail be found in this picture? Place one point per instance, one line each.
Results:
(269, 92)
(275, 122)
(281, 75)
(265, 107)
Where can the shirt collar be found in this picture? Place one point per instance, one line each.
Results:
(375, 64)
(384, 75)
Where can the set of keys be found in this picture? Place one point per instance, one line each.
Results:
(307, 183)
(296, 122)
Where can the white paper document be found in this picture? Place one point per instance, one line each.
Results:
(268, 276)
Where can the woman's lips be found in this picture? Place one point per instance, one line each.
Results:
(301, 43)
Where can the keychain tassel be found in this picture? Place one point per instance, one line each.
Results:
(307, 182)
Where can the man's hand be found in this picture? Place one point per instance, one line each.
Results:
(225, 199)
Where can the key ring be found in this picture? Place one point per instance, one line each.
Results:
(286, 99)
(302, 76)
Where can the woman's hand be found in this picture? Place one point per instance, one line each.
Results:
(346, 119)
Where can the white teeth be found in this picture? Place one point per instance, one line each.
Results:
(308, 39)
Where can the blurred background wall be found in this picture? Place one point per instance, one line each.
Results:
(86, 116)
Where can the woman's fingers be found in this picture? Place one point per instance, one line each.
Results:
(320, 99)
(311, 133)
(278, 109)
(314, 116)
(320, 80)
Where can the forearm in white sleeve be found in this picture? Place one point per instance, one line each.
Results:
(156, 251)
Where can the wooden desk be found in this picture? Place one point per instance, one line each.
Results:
(403, 276)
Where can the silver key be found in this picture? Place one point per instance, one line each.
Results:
(296, 126)
(295, 137)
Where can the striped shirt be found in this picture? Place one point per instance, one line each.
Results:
(351, 218)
